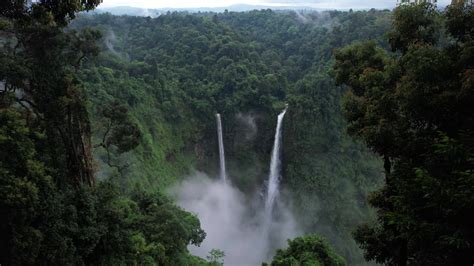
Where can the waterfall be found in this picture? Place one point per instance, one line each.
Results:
(223, 174)
(274, 177)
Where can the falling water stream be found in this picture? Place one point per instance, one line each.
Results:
(273, 178)
(223, 174)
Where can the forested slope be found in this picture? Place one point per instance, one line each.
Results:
(174, 72)
(54, 210)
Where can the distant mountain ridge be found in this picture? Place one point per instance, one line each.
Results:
(152, 12)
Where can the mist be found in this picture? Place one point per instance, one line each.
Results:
(233, 221)
(109, 40)
(318, 19)
(249, 125)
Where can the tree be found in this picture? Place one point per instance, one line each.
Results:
(412, 109)
(120, 134)
(45, 11)
(307, 250)
(24, 185)
(40, 60)
(216, 257)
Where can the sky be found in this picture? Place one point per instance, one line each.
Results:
(323, 4)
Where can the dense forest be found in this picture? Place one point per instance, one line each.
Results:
(102, 117)
(173, 73)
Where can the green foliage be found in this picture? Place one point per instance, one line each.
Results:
(413, 25)
(412, 109)
(460, 20)
(123, 133)
(119, 134)
(216, 257)
(81, 225)
(47, 12)
(39, 64)
(45, 167)
(310, 250)
(24, 185)
(145, 229)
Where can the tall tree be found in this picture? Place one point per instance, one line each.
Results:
(38, 61)
(414, 108)
(44, 135)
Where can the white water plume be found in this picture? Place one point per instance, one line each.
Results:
(233, 221)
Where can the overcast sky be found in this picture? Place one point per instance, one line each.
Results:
(326, 4)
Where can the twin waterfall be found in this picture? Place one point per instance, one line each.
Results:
(275, 167)
(223, 174)
(233, 224)
(248, 226)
